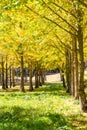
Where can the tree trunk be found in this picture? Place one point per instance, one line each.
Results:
(10, 83)
(13, 79)
(76, 70)
(82, 96)
(31, 84)
(72, 73)
(0, 77)
(68, 71)
(36, 79)
(22, 75)
(6, 80)
(3, 82)
(62, 78)
(43, 77)
(39, 78)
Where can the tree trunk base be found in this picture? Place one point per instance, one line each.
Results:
(22, 90)
(83, 102)
(76, 98)
(84, 110)
(30, 89)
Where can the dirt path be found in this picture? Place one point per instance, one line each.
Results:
(53, 78)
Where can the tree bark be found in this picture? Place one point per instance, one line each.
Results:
(13, 79)
(36, 79)
(68, 71)
(62, 78)
(72, 73)
(10, 84)
(39, 78)
(22, 75)
(30, 76)
(6, 80)
(76, 69)
(82, 96)
(43, 76)
(3, 82)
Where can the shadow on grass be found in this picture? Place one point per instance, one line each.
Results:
(30, 119)
(56, 89)
(18, 118)
(49, 88)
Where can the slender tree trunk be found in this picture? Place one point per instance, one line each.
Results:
(6, 80)
(72, 73)
(68, 71)
(13, 79)
(36, 79)
(43, 76)
(76, 70)
(0, 77)
(10, 78)
(22, 75)
(26, 75)
(62, 78)
(39, 77)
(31, 84)
(3, 82)
(64, 85)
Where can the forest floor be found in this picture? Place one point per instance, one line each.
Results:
(48, 107)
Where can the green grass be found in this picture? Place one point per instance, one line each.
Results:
(47, 108)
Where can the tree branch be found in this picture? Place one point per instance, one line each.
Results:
(64, 9)
(84, 4)
(56, 47)
(61, 18)
(63, 44)
(50, 21)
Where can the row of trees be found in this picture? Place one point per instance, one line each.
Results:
(41, 41)
(21, 44)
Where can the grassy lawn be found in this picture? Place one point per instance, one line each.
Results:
(47, 108)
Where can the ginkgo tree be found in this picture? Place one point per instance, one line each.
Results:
(21, 36)
(74, 27)
(29, 29)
